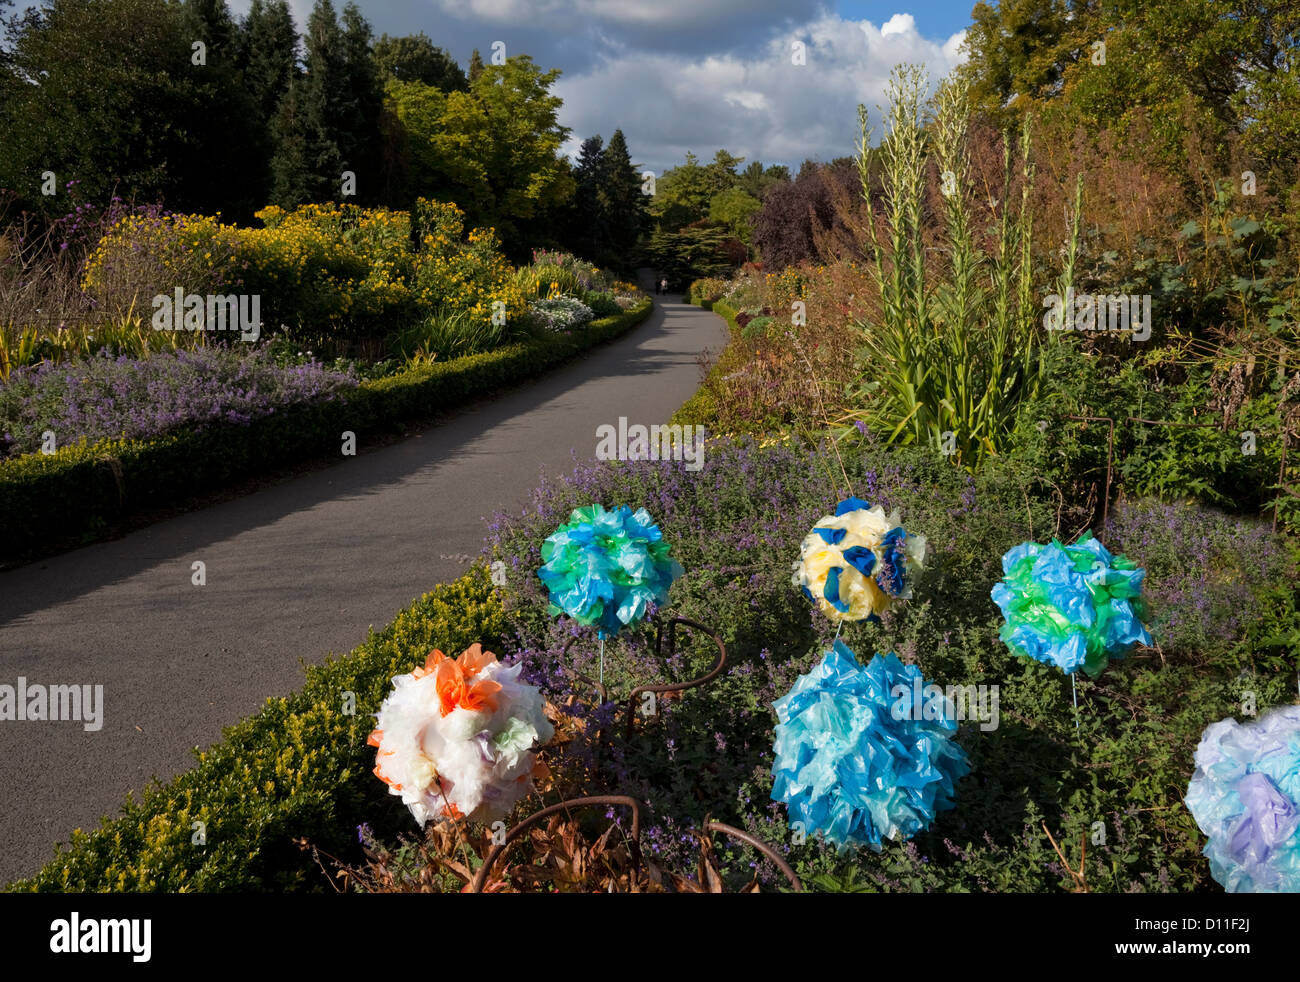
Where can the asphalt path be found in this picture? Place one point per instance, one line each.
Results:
(293, 572)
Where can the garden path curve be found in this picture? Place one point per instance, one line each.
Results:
(293, 571)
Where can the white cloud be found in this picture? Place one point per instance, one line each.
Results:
(758, 104)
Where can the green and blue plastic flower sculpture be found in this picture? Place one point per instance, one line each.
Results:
(1074, 607)
(606, 568)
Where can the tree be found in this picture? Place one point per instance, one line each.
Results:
(332, 125)
(1019, 50)
(270, 46)
(587, 232)
(209, 21)
(475, 65)
(733, 209)
(105, 94)
(492, 150)
(626, 217)
(682, 195)
(414, 58)
(755, 179)
(784, 228)
(358, 126)
(696, 250)
(1193, 68)
(291, 172)
(720, 174)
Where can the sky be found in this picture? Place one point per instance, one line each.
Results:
(679, 75)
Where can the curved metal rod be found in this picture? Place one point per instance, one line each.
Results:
(607, 799)
(762, 847)
(672, 648)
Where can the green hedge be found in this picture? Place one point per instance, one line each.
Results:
(298, 769)
(76, 494)
(702, 408)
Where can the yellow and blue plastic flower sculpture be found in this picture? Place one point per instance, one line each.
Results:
(858, 563)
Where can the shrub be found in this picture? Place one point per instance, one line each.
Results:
(106, 398)
(467, 275)
(82, 489)
(146, 255)
(602, 304)
(559, 313)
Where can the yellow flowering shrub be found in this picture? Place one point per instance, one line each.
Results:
(344, 268)
(784, 288)
(456, 275)
(143, 256)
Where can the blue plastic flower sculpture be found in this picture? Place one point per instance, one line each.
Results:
(1073, 606)
(1245, 796)
(854, 760)
(606, 567)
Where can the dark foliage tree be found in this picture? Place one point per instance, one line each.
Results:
(329, 122)
(106, 95)
(784, 229)
(414, 58)
(625, 212)
(270, 55)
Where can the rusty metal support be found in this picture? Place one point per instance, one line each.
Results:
(480, 877)
(762, 847)
(672, 649)
(661, 626)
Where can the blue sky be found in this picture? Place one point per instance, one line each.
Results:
(678, 75)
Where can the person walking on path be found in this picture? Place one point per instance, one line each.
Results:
(663, 285)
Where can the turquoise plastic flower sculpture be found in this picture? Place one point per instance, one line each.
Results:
(605, 568)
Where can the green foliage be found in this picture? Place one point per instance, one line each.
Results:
(960, 356)
(733, 209)
(1201, 454)
(413, 58)
(298, 769)
(493, 149)
(446, 334)
(1204, 68)
(693, 252)
(119, 109)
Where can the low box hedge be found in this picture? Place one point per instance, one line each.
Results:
(702, 409)
(78, 493)
(299, 769)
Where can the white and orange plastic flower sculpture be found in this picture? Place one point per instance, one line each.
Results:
(455, 738)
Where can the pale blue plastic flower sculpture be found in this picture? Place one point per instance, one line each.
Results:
(854, 761)
(1245, 796)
